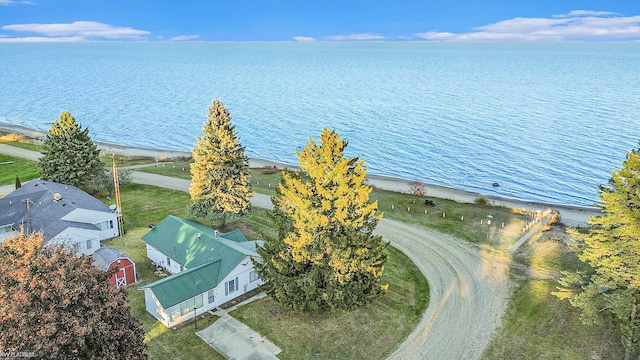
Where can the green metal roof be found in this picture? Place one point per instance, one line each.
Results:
(182, 286)
(194, 245)
(191, 243)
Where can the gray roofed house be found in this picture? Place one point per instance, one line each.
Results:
(64, 214)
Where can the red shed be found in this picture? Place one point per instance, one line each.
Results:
(108, 257)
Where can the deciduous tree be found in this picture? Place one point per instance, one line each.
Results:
(326, 256)
(56, 305)
(220, 171)
(612, 249)
(69, 155)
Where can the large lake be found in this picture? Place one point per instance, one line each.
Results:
(547, 121)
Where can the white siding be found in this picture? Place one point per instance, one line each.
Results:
(171, 316)
(96, 218)
(154, 308)
(161, 259)
(78, 237)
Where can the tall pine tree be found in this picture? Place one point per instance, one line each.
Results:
(69, 155)
(326, 256)
(612, 250)
(220, 172)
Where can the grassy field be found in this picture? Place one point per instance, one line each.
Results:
(460, 220)
(399, 310)
(371, 332)
(10, 167)
(538, 325)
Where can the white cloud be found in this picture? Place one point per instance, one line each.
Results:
(4, 39)
(304, 38)
(79, 30)
(13, 2)
(184, 37)
(586, 13)
(356, 37)
(576, 25)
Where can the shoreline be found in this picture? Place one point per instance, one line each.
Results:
(571, 215)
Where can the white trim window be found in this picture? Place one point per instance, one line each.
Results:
(189, 305)
(89, 244)
(211, 296)
(105, 225)
(253, 276)
(231, 286)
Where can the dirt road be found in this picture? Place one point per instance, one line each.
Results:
(469, 292)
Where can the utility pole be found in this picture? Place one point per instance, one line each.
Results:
(27, 201)
(116, 184)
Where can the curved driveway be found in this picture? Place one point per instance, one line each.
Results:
(469, 287)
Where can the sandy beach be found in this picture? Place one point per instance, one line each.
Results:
(571, 215)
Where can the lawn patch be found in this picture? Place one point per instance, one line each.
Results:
(370, 332)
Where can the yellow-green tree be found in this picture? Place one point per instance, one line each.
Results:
(220, 172)
(326, 256)
(612, 250)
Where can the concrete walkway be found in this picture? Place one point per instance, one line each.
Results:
(235, 340)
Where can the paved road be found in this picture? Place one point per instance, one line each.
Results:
(468, 287)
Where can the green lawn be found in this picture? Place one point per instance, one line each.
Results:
(391, 317)
(371, 332)
(10, 167)
(538, 325)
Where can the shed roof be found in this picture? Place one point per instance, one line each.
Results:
(105, 256)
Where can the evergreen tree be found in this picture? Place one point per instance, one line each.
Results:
(69, 155)
(326, 256)
(57, 305)
(612, 249)
(220, 171)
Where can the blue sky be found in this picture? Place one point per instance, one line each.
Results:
(329, 20)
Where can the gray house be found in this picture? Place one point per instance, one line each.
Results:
(64, 213)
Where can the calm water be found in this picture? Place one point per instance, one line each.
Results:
(549, 122)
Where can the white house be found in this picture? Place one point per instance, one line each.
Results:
(209, 269)
(64, 213)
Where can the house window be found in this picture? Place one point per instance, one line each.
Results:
(6, 229)
(168, 261)
(188, 305)
(105, 225)
(88, 244)
(210, 296)
(231, 286)
(253, 276)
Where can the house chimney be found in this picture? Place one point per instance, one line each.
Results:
(215, 233)
(199, 235)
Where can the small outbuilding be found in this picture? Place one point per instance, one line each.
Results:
(107, 258)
